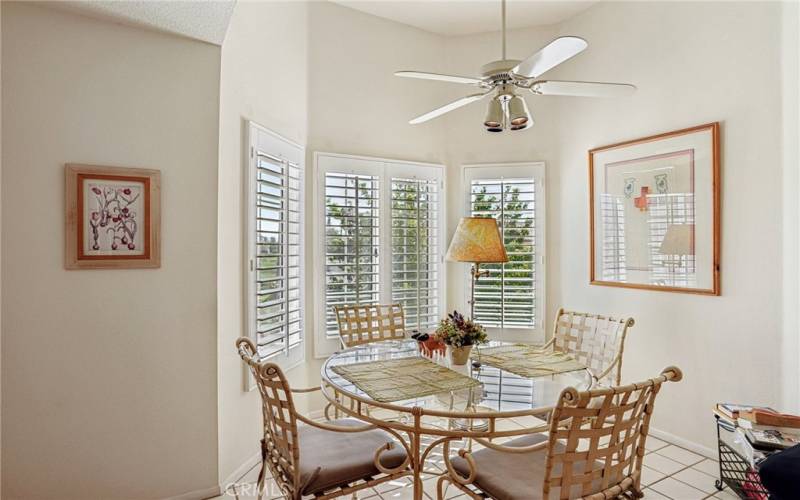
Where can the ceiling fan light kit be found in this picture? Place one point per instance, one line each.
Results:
(503, 78)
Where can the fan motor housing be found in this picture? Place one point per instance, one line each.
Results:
(498, 71)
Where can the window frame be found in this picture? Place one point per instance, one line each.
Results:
(537, 171)
(262, 139)
(385, 168)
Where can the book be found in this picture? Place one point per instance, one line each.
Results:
(734, 411)
(761, 417)
(769, 438)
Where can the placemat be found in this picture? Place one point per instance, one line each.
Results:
(403, 378)
(528, 361)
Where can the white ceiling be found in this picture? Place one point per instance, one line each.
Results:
(463, 17)
(201, 20)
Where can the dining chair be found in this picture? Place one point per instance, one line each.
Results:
(324, 460)
(594, 449)
(596, 341)
(365, 323)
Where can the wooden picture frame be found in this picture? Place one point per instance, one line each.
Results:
(654, 212)
(113, 217)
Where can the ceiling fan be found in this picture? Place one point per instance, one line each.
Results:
(504, 78)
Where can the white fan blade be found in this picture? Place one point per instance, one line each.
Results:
(448, 107)
(436, 76)
(550, 56)
(582, 89)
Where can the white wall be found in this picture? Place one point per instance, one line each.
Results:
(109, 377)
(790, 66)
(288, 67)
(263, 78)
(357, 106)
(693, 63)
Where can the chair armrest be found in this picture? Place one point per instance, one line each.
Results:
(605, 372)
(511, 449)
(334, 428)
(307, 390)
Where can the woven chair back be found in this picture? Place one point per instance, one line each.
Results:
(362, 324)
(597, 439)
(280, 447)
(596, 341)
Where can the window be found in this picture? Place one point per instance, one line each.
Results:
(510, 300)
(352, 242)
(275, 247)
(381, 239)
(416, 256)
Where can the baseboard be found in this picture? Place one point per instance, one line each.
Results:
(684, 443)
(211, 492)
(215, 491)
(240, 471)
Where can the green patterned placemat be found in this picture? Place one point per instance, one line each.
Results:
(529, 361)
(404, 378)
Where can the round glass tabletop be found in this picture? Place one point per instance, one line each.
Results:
(500, 390)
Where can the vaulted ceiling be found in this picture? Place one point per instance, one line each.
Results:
(206, 21)
(463, 17)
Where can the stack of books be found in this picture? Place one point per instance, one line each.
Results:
(765, 428)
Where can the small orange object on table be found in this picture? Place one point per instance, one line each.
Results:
(432, 345)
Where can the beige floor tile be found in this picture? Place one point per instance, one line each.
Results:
(249, 491)
(726, 494)
(662, 464)
(251, 476)
(392, 485)
(368, 493)
(677, 490)
(652, 494)
(650, 476)
(405, 492)
(708, 466)
(685, 457)
(653, 444)
(429, 486)
(697, 479)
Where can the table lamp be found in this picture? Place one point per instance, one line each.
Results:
(477, 240)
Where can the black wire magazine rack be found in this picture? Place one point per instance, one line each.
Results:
(736, 470)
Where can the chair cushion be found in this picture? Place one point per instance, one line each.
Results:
(512, 476)
(330, 458)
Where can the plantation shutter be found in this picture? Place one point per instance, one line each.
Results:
(352, 242)
(416, 250)
(507, 296)
(276, 253)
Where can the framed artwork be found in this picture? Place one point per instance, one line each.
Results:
(654, 207)
(113, 218)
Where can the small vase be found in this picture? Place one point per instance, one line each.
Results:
(460, 355)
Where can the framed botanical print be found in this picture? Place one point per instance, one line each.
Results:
(113, 217)
(654, 206)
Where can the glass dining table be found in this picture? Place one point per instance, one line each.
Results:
(475, 413)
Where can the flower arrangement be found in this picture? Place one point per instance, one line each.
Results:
(457, 331)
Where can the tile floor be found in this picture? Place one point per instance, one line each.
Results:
(669, 472)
